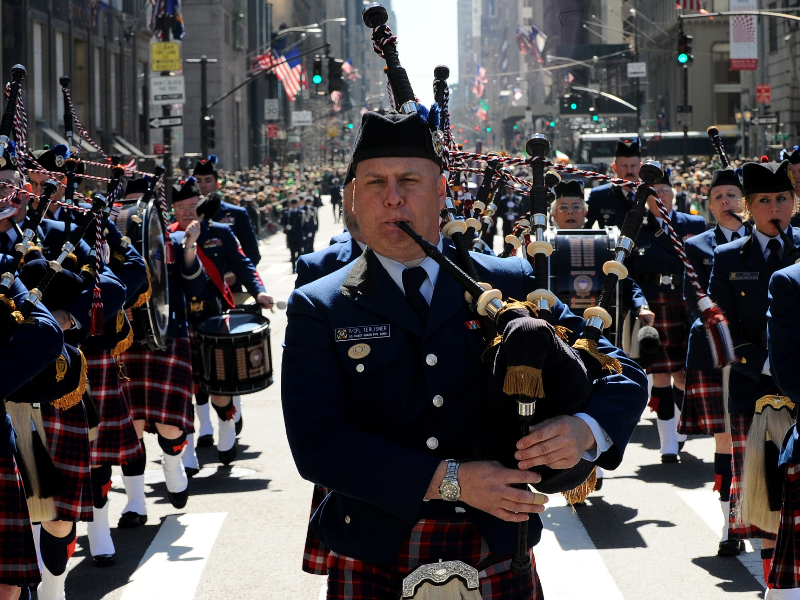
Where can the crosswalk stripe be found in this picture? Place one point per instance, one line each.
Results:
(174, 562)
(559, 556)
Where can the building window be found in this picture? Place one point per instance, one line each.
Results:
(772, 25)
(60, 70)
(38, 75)
(96, 88)
(227, 26)
(727, 89)
(114, 89)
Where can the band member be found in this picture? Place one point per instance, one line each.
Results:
(293, 224)
(376, 429)
(609, 203)
(510, 208)
(738, 285)
(220, 252)
(704, 407)
(657, 268)
(311, 224)
(159, 384)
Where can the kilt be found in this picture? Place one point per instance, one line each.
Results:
(116, 441)
(196, 364)
(315, 553)
(703, 409)
(459, 539)
(785, 570)
(160, 386)
(18, 563)
(68, 440)
(740, 425)
(672, 324)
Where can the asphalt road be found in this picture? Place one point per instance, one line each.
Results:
(649, 533)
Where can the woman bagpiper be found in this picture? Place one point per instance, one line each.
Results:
(739, 282)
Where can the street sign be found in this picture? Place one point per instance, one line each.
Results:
(302, 118)
(684, 114)
(637, 69)
(764, 120)
(294, 138)
(158, 149)
(165, 56)
(272, 131)
(763, 93)
(167, 90)
(160, 122)
(271, 109)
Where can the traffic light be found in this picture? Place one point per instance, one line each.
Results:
(349, 125)
(207, 128)
(574, 104)
(316, 78)
(552, 123)
(335, 79)
(488, 130)
(685, 56)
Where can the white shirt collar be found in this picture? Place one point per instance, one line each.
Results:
(395, 270)
(764, 239)
(729, 232)
(361, 245)
(56, 213)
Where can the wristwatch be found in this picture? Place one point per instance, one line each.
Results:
(450, 489)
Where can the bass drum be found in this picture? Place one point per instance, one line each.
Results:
(151, 320)
(576, 270)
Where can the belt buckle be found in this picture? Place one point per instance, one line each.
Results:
(196, 306)
(439, 574)
(666, 280)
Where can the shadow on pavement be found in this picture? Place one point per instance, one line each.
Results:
(611, 526)
(734, 575)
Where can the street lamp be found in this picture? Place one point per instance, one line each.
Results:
(304, 29)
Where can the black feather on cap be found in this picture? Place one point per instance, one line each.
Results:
(187, 190)
(209, 206)
(725, 177)
(767, 178)
(794, 157)
(207, 166)
(137, 186)
(395, 135)
(626, 148)
(570, 189)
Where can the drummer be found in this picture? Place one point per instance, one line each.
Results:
(159, 383)
(220, 252)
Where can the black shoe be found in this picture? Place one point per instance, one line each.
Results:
(680, 446)
(205, 441)
(104, 560)
(226, 457)
(730, 548)
(130, 519)
(239, 425)
(669, 458)
(599, 485)
(178, 499)
(191, 471)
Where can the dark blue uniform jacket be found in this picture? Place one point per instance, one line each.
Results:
(739, 286)
(362, 431)
(311, 267)
(608, 204)
(183, 283)
(237, 218)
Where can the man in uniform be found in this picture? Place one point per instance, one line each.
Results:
(293, 225)
(403, 390)
(311, 224)
(609, 203)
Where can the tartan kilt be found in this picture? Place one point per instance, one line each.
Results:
(160, 386)
(785, 570)
(740, 425)
(18, 563)
(459, 539)
(315, 553)
(68, 440)
(703, 408)
(117, 442)
(672, 324)
(197, 366)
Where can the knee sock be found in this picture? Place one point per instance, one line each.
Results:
(101, 485)
(677, 397)
(136, 467)
(225, 413)
(201, 398)
(666, 404)
(766, 562)
(172, 447)
(56, 551)
(722, 476)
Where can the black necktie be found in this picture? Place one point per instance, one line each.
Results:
(631, 196)
(735, 235)
(5, 242)
(774, 259)
(412, 280)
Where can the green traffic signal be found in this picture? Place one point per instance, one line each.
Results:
(349, 125)
(552, 123)
(488, 129)
(595, 118)
(317, 79)
(573, 106)
(515, 127)
(683, 58)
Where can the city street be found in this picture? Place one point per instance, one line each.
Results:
(241, 534)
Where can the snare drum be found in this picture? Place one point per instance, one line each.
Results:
(235, 353)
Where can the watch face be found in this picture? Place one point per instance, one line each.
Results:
(450, 490)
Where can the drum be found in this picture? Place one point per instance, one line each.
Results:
(576, 269)
(245, 302)
(145, 228)
(235, 353)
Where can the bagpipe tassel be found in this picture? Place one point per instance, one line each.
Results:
(562, 332)
(169, 253)
(524, 380)
(579, 494)
(609, 363)
(718, 334)
(96, 327)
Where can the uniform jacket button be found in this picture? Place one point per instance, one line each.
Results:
(347, 519)
(431, 359)
(432, 443)
(438, 400)
(360, 368)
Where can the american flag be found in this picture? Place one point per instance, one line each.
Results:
(172, 7)
(479, 83)
(350, 70)
(290, 77)
(691, 5)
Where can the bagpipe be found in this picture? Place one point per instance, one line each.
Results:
(534, 373)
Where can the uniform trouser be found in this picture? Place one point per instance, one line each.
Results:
(295, 250)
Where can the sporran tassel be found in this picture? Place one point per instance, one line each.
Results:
(524, 380)
(579, 494)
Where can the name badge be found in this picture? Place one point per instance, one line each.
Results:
(363, 332)
(708, 261)
(743, 276)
